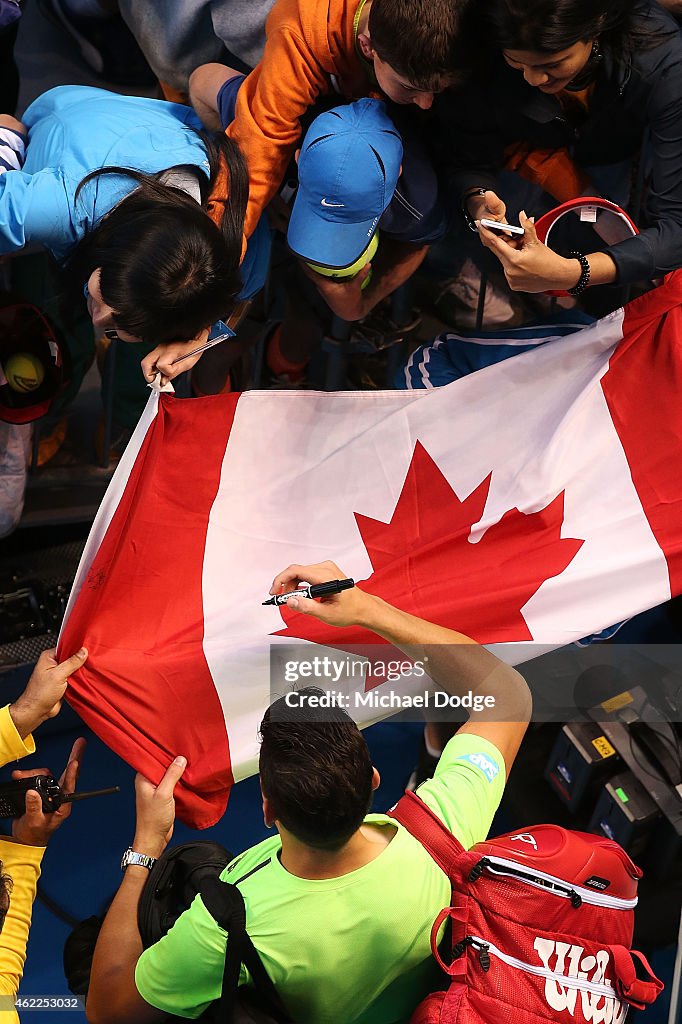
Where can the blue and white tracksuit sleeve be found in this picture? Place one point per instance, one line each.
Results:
(12, 150)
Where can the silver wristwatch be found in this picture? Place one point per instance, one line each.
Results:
(141, 859)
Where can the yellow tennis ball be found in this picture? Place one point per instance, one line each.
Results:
(349, 272)
(24, 372)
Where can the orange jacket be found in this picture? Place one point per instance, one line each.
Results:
(552, 169)
(309, 51)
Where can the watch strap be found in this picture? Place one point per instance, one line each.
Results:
(470, 222)
(142, 860)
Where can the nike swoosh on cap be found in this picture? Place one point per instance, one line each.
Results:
(323, 202)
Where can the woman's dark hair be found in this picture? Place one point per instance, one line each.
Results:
(166, 269)
(549, 26)
(315, 770)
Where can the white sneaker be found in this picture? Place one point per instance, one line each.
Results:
(457, 302)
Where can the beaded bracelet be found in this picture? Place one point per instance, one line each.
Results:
(584, 279)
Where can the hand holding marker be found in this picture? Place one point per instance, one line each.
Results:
(219, 332)
(316, 590)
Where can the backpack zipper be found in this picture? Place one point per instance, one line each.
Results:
(487, 948)
(482, 947)
(577, 894)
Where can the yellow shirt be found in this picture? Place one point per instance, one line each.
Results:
(22, 864)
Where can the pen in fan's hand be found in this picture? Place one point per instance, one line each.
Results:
(219, 332)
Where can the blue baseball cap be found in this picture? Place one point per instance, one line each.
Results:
(348, 169)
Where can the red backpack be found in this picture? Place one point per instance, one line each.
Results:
(541, 926)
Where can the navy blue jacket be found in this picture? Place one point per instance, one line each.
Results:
(643, 92)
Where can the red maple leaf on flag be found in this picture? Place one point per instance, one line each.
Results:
(426, 562)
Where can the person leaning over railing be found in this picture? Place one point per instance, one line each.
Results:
(574, 88)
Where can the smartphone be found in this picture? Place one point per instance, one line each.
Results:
(501, 229)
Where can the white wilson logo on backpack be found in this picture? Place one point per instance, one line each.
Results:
(525, 837)
(562, 958)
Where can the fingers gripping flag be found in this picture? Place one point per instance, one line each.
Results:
(538, 499)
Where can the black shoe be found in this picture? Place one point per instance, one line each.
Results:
(105, 45)
(378, 331)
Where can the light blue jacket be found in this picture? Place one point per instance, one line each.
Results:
(73, 130)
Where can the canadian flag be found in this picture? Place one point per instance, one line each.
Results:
(539, 499)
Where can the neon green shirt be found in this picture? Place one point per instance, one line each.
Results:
(347, 950)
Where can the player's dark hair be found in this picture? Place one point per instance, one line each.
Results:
(166, 269)
(419, 39)
(316, 771)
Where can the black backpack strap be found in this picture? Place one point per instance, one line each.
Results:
(225, 904)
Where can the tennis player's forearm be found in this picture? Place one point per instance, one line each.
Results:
(454, 661)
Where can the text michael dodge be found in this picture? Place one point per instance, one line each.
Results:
(385, 699)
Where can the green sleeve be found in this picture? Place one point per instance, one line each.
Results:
(182, 973)
(467, 787)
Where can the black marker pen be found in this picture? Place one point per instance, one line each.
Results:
(316, 590)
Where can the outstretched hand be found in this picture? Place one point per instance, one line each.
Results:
(163, 359)
(349, 608)
(42, 698)
(528, 264)
(155, 807)
(35, 827)
(488, 205)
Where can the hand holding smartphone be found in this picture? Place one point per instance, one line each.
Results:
(501, 229)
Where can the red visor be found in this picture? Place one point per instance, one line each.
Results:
(611, 219)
